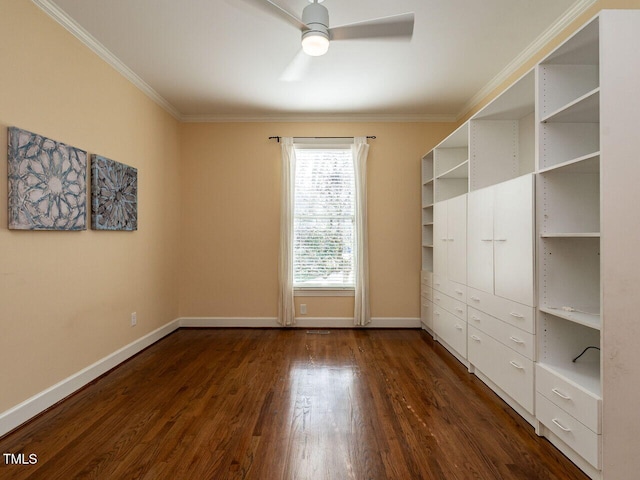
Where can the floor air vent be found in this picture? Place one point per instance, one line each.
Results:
(318, 332)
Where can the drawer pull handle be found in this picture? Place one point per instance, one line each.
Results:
(515, 365)
(487, 239)
(477, 339)
(517, 315)
(560, 394)
(475, 299)
(516, 340)
(458, 327)
(473, 317)
(437, 299)
(560, 426)
(499, 239)
(459, 310)
(459, 292)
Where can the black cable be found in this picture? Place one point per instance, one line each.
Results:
(583, 352)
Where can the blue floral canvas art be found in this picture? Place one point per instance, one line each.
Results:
(47, 183)
(114, 195)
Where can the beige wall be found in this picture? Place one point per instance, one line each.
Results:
(66, 297)
(231, 185)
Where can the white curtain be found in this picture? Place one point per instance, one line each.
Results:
(362, 313)
(286, 308)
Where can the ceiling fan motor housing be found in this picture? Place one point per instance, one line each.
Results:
(316, 17)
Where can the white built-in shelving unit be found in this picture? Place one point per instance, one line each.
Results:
(534, 195)
(426, 276)
(568, 225)
(427, 212)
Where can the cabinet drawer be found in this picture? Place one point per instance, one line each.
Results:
(514, 338)
(457, 291)
(451, 329)
(426, 292)
(580, 438)
(439, 283)
(509, 370)
(451, 288)
(458, 308)
(426, 278)
(426, 313)
(584, 406)
(513, 313)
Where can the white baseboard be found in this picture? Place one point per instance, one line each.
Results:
(301, 322)
(21, 413)
(31, 407)
(229, 322)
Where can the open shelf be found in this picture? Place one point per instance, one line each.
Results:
(568, 202)
(563, 142)
(459, 171)
(561, 341)
(585, 109)
(427, 235)
(571, 235)
(427, 168)
(448, 188)
(427, 215)
(427, 194)
(502, 136)
(581, 318)
(569, 273)
(589, 163)
(427, 258)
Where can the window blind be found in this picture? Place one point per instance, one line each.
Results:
(324, 218)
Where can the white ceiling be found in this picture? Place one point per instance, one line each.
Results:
(224, 59)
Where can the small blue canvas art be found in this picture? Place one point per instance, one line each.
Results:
(114, 195)
(47, 183)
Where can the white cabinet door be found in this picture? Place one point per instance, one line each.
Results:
(457, 236)
(513, 240)
(440, 239)
(480, 240)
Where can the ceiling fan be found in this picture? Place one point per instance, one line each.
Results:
(317, 34)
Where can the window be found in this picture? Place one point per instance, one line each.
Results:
(324, 219)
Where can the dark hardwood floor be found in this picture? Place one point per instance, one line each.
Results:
(284, 404)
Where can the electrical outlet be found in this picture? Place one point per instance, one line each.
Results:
(303, 309)
(134, 319)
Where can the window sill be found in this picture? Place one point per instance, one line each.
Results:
(324, 292)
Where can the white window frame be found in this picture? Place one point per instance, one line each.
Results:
(321, 291)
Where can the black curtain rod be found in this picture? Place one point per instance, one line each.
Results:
(373, 137)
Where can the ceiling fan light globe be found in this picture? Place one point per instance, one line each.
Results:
(315, 44)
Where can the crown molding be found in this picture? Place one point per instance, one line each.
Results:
(61, 17)
(94, 45)
(326, 118)
(577, 9)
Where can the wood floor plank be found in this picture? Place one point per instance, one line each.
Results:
(284, 404)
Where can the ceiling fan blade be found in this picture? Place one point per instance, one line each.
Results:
(395, 26)
(276, 10)
(297, 68)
